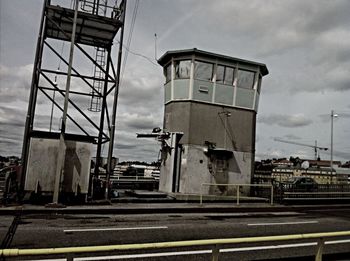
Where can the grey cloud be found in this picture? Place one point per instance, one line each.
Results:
(126, 146)
(288, 121)
(145, 124)
(325, 15)
(304, 44)
(343, 114)
(143, 93)
(14, 83)
(12, 115)
(138, 122)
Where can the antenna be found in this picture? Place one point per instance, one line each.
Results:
(155, 46)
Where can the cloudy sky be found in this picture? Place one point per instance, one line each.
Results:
(304, 43)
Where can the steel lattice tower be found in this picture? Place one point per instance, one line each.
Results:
(89, 28)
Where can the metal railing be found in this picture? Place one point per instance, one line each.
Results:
(216, 244)
(237, 189)
(287, 191)
(134, 178)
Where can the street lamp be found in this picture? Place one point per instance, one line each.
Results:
(332, 117)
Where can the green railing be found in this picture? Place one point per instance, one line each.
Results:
(216, 245)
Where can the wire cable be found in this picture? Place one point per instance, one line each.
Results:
(138, 54)
(133, 20)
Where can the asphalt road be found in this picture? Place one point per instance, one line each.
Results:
(46, 231)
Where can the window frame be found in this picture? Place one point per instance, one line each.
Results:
(246, 70)
(205, 62)
(165, 72)
(178, 62)
(224, 82)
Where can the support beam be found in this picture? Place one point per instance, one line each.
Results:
(102, 119)
(32, 97)
(116, 95)
(62, 147)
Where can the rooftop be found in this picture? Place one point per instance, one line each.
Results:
(169, 54)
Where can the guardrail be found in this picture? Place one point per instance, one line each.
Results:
(134, 178)
(215, 243)
(289, 192)
(237, 189)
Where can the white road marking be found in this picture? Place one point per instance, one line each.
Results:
(61, 259)
(283, 223)
(198, 252)
(112, 229)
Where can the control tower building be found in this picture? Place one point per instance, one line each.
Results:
(211, 102)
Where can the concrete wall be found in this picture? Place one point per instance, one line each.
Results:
(42, 162)
(234, 136)
(202, 122)
(198, 168)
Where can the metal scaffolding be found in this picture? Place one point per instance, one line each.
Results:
(90, 29)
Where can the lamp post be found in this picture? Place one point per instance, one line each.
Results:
(332, 117)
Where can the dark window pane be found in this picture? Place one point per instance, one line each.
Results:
(229, 75)
(182, 69)
(203, 71)
(245, 79)
(259, 83)
(220, 74)
(167, 73)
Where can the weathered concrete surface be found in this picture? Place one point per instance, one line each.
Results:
(42, 162)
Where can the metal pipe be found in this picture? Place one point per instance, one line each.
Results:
(320, 246)
(215, 253)
(116, 94)
(332, 116)
(74, 75)
(61, 147)
(63, 91)
(32, 96)
(271, 196)
(188, 243)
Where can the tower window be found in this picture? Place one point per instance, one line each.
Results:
(182, 69)
(245, 79)
(203, 71)
(224, 75)
(167, 73)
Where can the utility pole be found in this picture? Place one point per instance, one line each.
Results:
(332, 117)
(62, 147)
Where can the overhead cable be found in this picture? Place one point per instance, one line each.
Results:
(133, 20)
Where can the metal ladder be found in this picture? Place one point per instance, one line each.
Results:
(96, 7)
(98, 82)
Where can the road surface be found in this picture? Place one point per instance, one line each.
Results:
(46, 231)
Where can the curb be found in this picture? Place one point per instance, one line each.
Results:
(165, 210)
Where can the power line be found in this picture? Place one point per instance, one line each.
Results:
(138, 54)
(133, 20)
